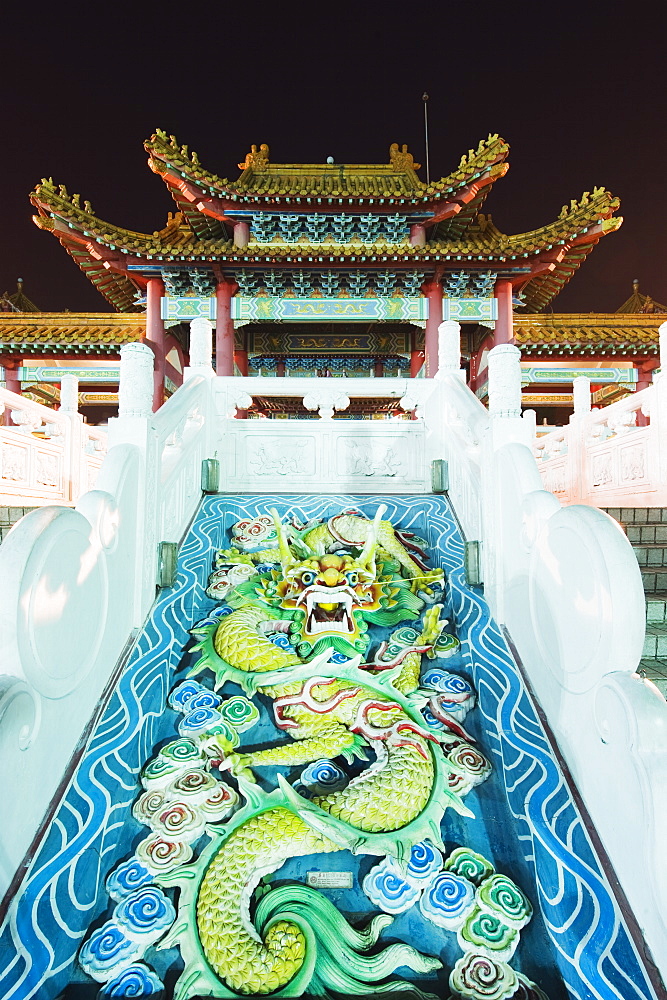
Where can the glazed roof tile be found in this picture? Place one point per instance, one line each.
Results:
(553, 253)
(587, 333)
(392, 182)
(56, 333)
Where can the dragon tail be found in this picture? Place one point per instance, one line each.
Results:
(342, 965)
(296, 942)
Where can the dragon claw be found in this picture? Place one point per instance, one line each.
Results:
(236, 764)
(356, 749)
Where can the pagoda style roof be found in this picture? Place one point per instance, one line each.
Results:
(312, 185)
(571, 334)
(18, 301)
(48, 333)
(638, 303)
(200, 235)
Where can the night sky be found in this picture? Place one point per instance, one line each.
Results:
(577, 89)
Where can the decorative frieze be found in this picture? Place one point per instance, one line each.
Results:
(319, 228)
(188, 281)
(469, 284)
(257, 308)
(185, 309)
(471, 310)
(305, 283)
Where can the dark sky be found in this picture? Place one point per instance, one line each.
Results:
(577, 89)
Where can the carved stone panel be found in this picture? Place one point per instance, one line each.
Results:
(554, 478)
(47, 469)
(279, 456)
(370, 457)
(601, 468)
(633, 463)
(14, 463)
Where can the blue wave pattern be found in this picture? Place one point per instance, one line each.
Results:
(63, 891)
(594, 951)
(135, 981)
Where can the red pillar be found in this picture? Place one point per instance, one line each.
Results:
(416, 357)
(645, 374)
(416, 362)
(472, 373)
(224, 330)
(12, 380)
(241, 359)
(155, 335)
(13, 384)
(504, 332)
(433, 293)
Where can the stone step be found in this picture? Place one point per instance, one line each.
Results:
(646, 534)
(653, 579)
(656, 607)
(9, 516)
(651, 555)
(655, 642)
(638, 515)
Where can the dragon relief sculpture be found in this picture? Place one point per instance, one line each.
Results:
(298, 634)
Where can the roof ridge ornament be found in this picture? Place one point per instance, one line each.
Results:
(256, 159)
(402, 159)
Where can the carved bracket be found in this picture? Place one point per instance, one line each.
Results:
(325, 401)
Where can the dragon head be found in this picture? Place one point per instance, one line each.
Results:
(330, 597)
(327, 596)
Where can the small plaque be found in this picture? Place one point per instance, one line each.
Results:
(329, 880)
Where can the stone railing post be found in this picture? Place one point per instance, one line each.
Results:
(135, 390)
(581, 392)
(505, 427)
(201, 349)
(133, 428)
(449, 348)
(530, 420)
(75, 477)
(577, 472)
(505, 381)
(69, 394)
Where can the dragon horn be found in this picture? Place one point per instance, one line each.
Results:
(286, 557)
(367, 554)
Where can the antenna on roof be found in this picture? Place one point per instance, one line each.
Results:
(428, 171)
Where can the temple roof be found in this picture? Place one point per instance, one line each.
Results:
(386, 184)
(539, 262)
(565, 334)
(18, 301)
(541, 334)
(68, 333)
(638, 303)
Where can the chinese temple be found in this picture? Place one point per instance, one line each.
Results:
(352, 707)
(329, 269)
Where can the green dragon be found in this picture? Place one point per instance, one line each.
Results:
(298, 942)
